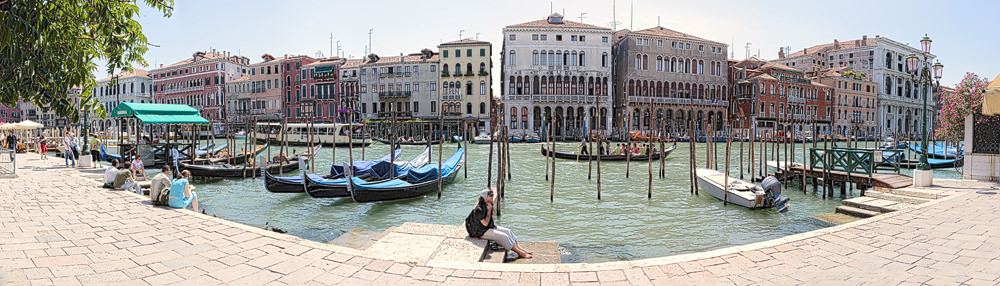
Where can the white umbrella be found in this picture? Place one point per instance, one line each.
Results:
(8, 126)
(28, 124)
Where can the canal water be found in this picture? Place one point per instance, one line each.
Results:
(622, 225)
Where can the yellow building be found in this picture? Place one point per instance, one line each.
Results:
(465, 85)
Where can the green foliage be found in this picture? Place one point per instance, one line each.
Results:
(48, 47)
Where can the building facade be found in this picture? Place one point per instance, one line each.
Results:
(466, 85)
(238, 101)
(855, 102)
(660, 73)
(883, 61)
(779, 99)
(405, 85)
(276, 83)
(198, 81)
(560, 70)
(134, 86)
(350, 87)
(321, 82)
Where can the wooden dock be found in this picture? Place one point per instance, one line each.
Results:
(891, 181)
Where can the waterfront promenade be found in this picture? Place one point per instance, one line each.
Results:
(58, 228)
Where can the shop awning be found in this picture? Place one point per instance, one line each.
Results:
(154, 113)
(991, 100)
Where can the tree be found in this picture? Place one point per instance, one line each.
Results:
(966, 100)
(47, 47)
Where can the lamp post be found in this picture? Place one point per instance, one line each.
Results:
(920, 73)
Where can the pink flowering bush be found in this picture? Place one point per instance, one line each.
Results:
(967, 99)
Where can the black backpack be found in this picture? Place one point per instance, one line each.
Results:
(161, 200)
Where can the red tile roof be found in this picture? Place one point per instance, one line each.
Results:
(134, 72)
(544, 23)
(352, 63)
(664, 32)
(843, 45)
(206, 56)
(464, 42)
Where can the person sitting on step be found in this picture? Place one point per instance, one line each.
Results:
(124, 180)
(480, 224)
(110, 173)
(182, 193)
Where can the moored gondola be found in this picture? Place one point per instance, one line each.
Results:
(418, 182)
(293, 184)
(574, 156)
(220, 170)
(404, 142)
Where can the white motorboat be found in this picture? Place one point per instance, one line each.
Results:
(482, 138)
(339, 134)
(742, 192)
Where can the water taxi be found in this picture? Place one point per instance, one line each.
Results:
(339, 134)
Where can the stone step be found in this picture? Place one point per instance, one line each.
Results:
(835, 218)
(896, 197)
(915, 192)
(357, 238)
(852, 211)
(873, 204)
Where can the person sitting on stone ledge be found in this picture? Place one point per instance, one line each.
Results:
(161, 183)
(182, 193)
(480, 224)
(110, 173)
(125, 181)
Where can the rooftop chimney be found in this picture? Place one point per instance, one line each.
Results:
(781, 53)
(836, 44)
(864, 40)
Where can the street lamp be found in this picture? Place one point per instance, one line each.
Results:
(920, 73)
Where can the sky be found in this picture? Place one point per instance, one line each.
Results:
(962, 31)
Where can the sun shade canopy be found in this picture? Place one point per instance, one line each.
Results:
(154, 113)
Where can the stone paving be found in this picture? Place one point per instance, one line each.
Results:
(58, 228)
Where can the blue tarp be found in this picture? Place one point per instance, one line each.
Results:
(381, 169)
(298, 179)
(942, 152)
(363, 185)
(204, 149)
(430, 171)
(361, 167)
(322, 181)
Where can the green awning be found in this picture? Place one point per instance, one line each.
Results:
(324, 69)
(153, 113)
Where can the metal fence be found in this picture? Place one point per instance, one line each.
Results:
(986, 137)
(7, 163)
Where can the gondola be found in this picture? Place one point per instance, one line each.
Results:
(934, 163)
(574, 156)
(234, 160)
(321, 188)
(386, 141)
(293, 184)
(229, 171)
(418, 182)
(936, 152)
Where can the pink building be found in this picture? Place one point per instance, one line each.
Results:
(277, 82)
(320, 88)
(198, 81)
(10, 113)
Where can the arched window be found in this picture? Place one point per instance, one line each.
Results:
(468, 68)
(513, 58)
(468, 87)
(645, 62)
(701, 67)
(482, 67)
(573, 59)
(888, 85)
(659, 63)
(545, 60)
(582, 58)
(458, 68)
(482, 108)
(142, 87)
(482, 90)
(468, 108)
(604, 60)
(559, 58)
(534, 57)
(638, 61)
(444, 69)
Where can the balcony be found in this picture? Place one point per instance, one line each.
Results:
(671, 100)
(458, 74)
(589, 99)
(186, 89)
(445, 74)
(484, 73)
(457, 97)
(399, 115)
(796, 99)
(393, 94)
(469, 73)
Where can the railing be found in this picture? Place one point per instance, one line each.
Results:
(8, 165)
(451, 97)
(673, 100)
(796, 99)
(393, 94)
(401, 114)
(186, 89)
(445, 74)
(855, 160)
